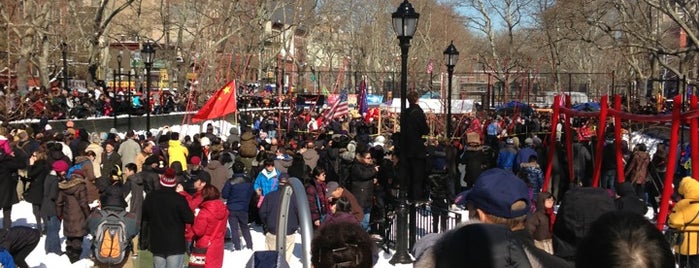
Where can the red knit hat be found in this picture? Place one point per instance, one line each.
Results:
(60, 166)
(168, 178)
(195, 160)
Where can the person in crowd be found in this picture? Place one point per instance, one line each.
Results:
(48, 206)
(269, 214)
(316, 195)
(473, 245)
(217, 171)
(209, 226)
(624, 239)
(579, 208)
(582, 160)
(84, 163)
(362, 179)
(112, 201)
(340, 211)
(474, 160)
(19, 241)
(540, 223)
(267, 180)
(506, 156)
(176, 151)
(310, 154)
(193, 199)
(134, 193)
(73, 209)
(165, 213)
(335, 191)
(144, 154)
(533, 175)
(151, 179)
(283, 159)
(37, 171)
(412, 147)
(248, 149)
(343, 245)
(110, 158)
(685, 218)
(96, 147)
(238, 192)
(8, 186)
(637, 169)
(500, 197)
(78, 145)
(524, 154)
(627, 200)
(129, 149)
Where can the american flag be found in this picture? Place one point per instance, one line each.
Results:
(339, 108)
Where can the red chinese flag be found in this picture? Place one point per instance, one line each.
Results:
(222, 103)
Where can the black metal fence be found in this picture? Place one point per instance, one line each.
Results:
(425, 219)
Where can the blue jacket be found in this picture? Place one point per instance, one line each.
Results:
(238, 192)
(267, 181)
(506, 158)
(523, 157)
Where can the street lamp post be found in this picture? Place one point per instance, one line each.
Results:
(404, 24)
(117, 79)
(451, 56)
(64, 49)
(148, 54)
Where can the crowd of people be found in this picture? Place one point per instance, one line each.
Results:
(185, 196)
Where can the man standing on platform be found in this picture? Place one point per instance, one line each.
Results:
(413, 126)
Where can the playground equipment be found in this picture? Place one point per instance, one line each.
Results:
(676, 118)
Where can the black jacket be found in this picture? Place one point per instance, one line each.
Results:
(361, 178)
(8, 183)
(165, 213)
(628, 201)
(269, 212)
(413, 127)
(36, 174)
(475, 160)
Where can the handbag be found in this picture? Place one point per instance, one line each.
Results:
(197, 258)
(676, 237)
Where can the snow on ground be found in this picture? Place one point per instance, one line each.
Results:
(22, 215)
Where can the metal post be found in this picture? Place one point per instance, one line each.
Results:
(402, 255)
(64, 47)
(116, 95)
(130, 98)
(148, 109)
(450, 71)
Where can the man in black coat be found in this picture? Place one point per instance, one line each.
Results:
(269, 213)
(413, 126)
(8, 184)
(165, 213)
(19, 241)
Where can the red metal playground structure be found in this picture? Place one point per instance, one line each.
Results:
(676, 118)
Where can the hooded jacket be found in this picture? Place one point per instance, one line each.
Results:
(539, 223)
(177, 152)
(684, 216)
(628, 201)
(36, 174)
(248, 145)
(98, 150)
(218, 173)
(72, 206)
(92, 191)
(210, 230)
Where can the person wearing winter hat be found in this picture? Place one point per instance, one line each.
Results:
(72, 207)
(48, 206)
(165, 213)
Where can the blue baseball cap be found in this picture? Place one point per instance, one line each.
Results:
(496, 190)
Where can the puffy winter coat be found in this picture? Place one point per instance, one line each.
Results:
(238, 192)
(637, 170)
(248, 145)
(218, 173)
(71, 204)
(177, 152)
(684, 216)
(210, 230)
(362, 183)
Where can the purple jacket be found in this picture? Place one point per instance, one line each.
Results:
(339, 217)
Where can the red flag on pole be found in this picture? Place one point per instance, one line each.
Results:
(222, 103)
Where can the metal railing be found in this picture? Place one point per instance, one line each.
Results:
(425, 219)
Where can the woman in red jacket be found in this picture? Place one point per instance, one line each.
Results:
(210, 226)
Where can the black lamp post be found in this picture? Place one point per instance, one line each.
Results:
(451, 56)
(64, 49)
(148, 54)
(404, 24)
(117, 79)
